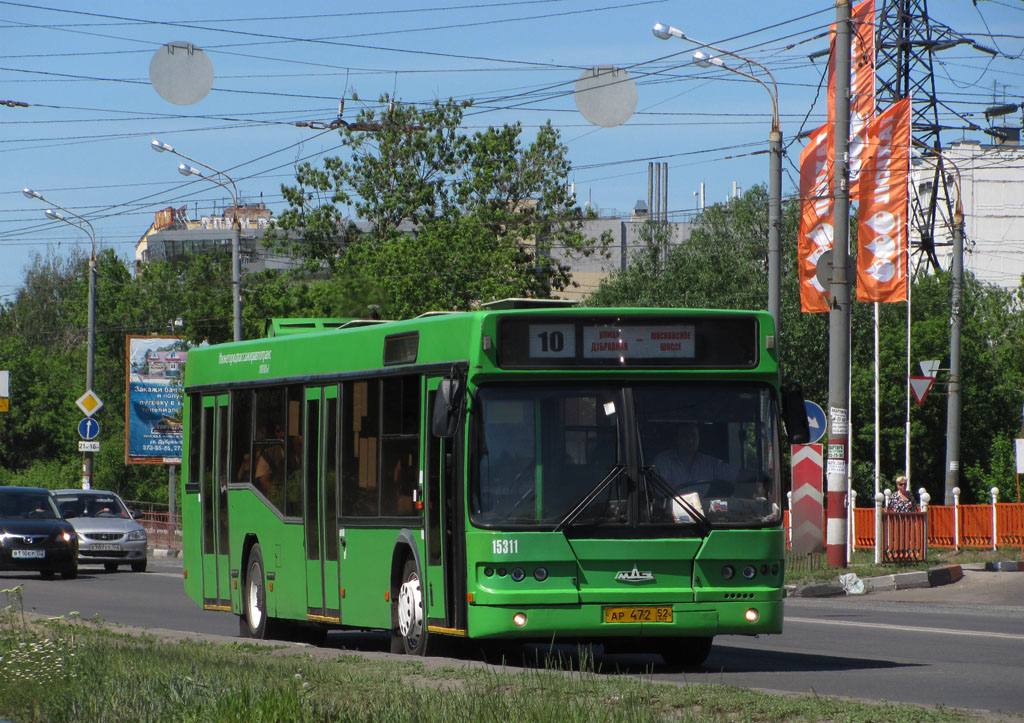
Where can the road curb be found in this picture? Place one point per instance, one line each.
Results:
(934, 577)
(1005, 566)
(163, 552)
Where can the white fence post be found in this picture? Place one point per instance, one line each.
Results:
(995, 496)
(956, 518)
(925, 498)
(789, 528)
(852, 522)
(879, 501)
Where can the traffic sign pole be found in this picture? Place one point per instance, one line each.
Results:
(89, 403)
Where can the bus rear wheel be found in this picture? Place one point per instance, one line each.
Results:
(685, 652)
(411, 622)
(252, 623)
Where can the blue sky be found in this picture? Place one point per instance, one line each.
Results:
(83, 71)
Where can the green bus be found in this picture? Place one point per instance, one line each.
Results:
(532, 471)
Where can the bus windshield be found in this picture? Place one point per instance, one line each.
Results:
(664, 456)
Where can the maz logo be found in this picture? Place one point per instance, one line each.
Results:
(634, 575)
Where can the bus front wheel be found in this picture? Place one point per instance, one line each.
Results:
(411, 630)
(253, 620)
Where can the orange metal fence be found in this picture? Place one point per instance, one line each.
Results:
(951, 527)
(163, 529)
(945, 530)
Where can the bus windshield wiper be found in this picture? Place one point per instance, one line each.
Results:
(613, 474)
(658, 482)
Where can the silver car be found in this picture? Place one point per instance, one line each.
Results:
(107, 532)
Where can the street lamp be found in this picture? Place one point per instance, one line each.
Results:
(82, 225)
(236, 265)
(664, 32)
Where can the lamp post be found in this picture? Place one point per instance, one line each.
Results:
(82, 225)
(664, 32)
(236, 265)
(953, 399)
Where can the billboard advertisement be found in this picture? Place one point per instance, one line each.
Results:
(153, 399)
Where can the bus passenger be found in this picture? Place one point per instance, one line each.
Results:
(244, 468)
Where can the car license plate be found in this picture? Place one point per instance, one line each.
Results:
(639, 614)
(28, 554)
(105, 547)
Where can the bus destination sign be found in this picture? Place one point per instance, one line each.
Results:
(605, 341)
(690, 342)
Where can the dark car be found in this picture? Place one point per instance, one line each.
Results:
(108, 535)
(34, 536)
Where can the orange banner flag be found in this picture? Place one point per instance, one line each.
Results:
(862, 83)
(816, 216)
(882, 225)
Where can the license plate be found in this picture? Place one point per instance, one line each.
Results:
(28, 554)
(105, 548)
(638, 614)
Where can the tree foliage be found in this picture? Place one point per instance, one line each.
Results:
(724, 265)
(453, 219)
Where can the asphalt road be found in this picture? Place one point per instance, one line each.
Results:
(958, 645)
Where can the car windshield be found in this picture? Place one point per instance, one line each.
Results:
(27, 505)
(666, 456)
(91, 505)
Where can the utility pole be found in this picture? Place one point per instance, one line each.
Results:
(953, 400)
(775, 225)
(839, 314)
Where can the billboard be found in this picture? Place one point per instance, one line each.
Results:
(164, 218)
(153, 399)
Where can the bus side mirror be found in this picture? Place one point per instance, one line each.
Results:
(444, 418)
(794, 414)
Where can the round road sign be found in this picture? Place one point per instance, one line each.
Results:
(816, 421)
(88, 428)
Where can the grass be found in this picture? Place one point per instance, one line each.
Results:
(80, 671)
(807, 569)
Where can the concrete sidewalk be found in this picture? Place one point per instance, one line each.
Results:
(957, 578)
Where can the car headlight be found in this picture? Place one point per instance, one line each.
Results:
(67, 536)
(136, 535)
(3, 538)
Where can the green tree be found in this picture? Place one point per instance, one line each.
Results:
(44, 332)
(454, 218)
(723, 265)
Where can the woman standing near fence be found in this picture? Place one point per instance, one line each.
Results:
(901, 500)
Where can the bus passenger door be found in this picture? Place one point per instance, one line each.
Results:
(445, 547)
(320, 506)
(214, 496)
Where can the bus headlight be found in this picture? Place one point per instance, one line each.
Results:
(519, 620)
(752, 615)
(728, 572)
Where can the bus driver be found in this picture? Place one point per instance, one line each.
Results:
(684, 463)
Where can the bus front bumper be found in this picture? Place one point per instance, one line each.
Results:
(591, 621)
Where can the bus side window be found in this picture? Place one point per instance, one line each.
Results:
(268, 446)
(400, 423)
(360, 438)
(241, 431)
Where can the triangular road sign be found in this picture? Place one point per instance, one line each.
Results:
(920, 387)
(929, 367)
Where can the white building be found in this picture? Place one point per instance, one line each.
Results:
(992, 192)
